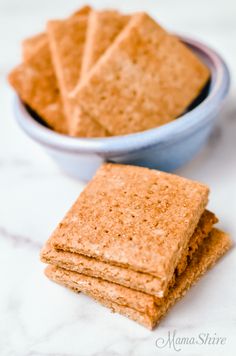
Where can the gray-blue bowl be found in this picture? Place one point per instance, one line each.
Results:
(167, 147)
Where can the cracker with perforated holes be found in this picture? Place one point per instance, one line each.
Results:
(103, 27)
(125, 276)
(139, 306)
(145, 79)
(134, 217)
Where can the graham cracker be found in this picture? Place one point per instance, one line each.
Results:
(31, 45)
(145, 79)
(67, 40)
(84, 10)
(145, 312)
(204, 227)
(141, 318)
(103, 27)
(124, 276)
(134, 217)
(35, 82)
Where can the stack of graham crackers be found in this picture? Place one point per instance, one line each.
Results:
(102, 73)
(135, 240)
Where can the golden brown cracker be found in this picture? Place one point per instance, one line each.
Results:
(31, 45)
(134, 217)
(103, 27)
(66, 40)
(145, 79)
(212, 248)
(124, 276)
(35, 82)
(204, 227)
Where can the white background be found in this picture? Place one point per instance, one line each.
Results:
(40, 318)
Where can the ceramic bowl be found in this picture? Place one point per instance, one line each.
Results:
(167, 147)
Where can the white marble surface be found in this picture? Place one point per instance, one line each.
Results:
(40, 318)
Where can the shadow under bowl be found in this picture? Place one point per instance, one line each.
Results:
(167, 147)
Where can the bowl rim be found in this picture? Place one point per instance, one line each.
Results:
(192, 120)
